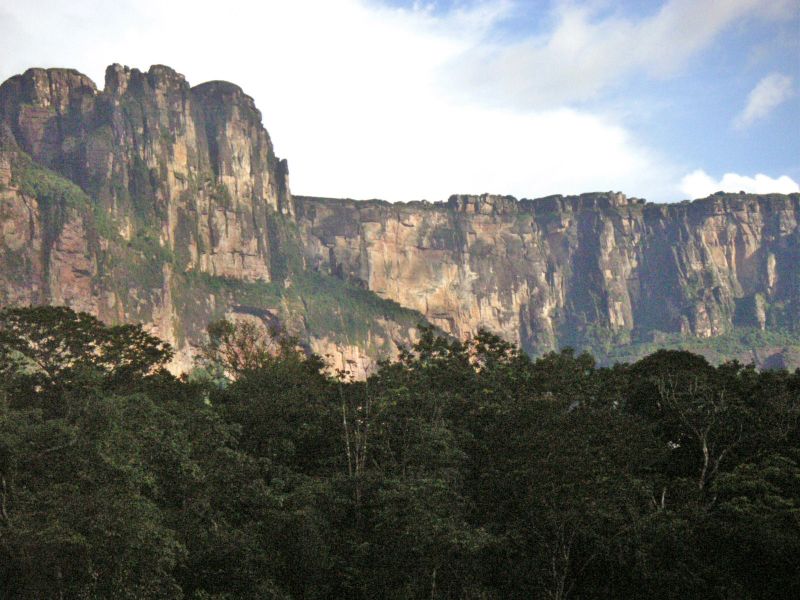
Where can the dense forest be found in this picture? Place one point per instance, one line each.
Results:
(461, 470)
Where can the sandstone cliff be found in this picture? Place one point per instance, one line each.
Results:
(158, 202)
(596, 270)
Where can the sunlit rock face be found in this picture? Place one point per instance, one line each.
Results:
(549, 272)
(193, 164)
(156, 202)
(188, 171)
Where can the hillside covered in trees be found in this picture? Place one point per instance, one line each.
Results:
(461, 470)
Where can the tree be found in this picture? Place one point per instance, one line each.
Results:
(244, 346)
(697, 410)
(51, 348)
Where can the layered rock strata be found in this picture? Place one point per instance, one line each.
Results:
(149, 201)
(564, 270)
(153, 201)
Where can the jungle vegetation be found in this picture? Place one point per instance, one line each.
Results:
(459, 471)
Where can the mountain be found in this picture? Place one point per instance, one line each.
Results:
(155, 201)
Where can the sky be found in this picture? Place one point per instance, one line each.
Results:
(406, 100)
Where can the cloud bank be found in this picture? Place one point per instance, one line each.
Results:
(585, 54)
(366, 100)
(700, 184)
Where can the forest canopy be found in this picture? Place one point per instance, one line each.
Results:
(460, 470)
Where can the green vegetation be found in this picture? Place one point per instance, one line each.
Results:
(317, 304)
(144, 182)
(166, 137)
(286, 258)
(459, 471)
(742, 341)
(45, 185)
(345, 310)
(596, 339)
(139, 263)
(258, 294)
(308, 303)
(16, 264)
(55, 194)
(147, 245)
(779, 316)
(57, 197)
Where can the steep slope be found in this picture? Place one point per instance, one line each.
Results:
(158, 202)
(595, 271)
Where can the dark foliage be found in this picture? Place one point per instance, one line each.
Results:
(462, 470)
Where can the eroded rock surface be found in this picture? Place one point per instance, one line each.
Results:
(153, 201)
(559, 270)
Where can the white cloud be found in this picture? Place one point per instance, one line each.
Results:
(351, 94)
(584, 55)
(769, 93)
(699, 184)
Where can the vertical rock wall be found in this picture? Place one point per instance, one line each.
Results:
(170, 178)
(193, 166)
(153, 201)
(558, 270)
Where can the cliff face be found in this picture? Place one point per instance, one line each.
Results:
(150, 201)
(597, 268)
(194, 165)
(157, 202)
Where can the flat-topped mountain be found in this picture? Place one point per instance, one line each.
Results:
(155, 201)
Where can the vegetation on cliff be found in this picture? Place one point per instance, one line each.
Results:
(154, 201)
(461, 470)
(307, 303)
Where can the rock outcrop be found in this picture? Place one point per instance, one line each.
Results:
(157, 202)
(590, 269)
(148, 201)
(194, 165)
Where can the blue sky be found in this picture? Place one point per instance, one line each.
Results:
(404, 100)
